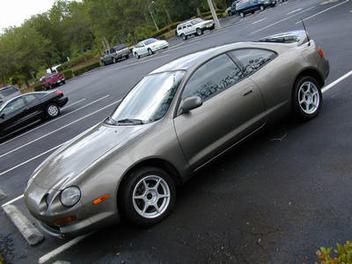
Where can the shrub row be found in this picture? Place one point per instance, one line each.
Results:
(68, 74)
(85, 57)
(86, 68)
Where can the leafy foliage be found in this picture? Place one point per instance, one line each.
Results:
(342, 254)
(70, 29)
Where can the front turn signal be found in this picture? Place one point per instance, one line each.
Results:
(100, 199)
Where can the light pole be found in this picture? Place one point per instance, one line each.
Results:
(151, 14)
(213, 13)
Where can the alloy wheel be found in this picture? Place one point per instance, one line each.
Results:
(151, 196)
(308, 97)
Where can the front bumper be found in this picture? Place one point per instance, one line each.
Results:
(45, 208)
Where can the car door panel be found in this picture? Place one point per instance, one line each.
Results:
(221, 121)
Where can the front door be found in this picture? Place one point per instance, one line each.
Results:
(232, 108)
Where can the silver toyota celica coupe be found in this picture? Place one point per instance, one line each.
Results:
(174, 121)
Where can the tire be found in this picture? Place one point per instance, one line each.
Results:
(183, 36)
(150, 52)
(242, 14)
(229, 13)
(52, 111)
(137, 56)
(199, 32)
(136, 210)
(307, 98)
(114, 60)
(63, 82)
(127, 56)
(262, 8)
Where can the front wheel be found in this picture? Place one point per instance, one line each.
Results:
(307, 98)
(147, 196)
(184, 37)
(52, 111)
(262, 8)
(150, 52)
(242, 14)
(137, 56)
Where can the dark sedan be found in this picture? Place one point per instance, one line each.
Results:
(24, 110)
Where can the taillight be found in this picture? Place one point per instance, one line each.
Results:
(59, 92)
(321, 52)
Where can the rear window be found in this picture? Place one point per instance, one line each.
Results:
(253, 59)
(7, 91)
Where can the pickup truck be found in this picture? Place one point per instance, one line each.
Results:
(52, 80)
(114, 54)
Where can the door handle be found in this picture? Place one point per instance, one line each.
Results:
(248, 92)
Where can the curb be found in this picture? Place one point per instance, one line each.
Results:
(2, 195)
(30, 233)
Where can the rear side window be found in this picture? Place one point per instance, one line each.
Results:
(8, 91)
(253, 59)
(14, 106)
(212, 78)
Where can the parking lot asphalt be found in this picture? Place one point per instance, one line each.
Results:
(274, 199)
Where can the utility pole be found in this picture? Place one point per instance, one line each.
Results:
(151, 14)
(213, 13)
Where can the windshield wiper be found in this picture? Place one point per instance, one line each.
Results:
(130, 121)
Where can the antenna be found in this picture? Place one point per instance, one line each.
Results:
(305, 30)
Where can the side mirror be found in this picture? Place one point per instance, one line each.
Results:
(190, 103)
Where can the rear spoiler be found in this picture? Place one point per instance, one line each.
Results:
(300, 37)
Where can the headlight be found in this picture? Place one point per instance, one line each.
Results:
(70, 196)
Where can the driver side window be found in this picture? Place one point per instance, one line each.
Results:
(212, 78)
(14, 106)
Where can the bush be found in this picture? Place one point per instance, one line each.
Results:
(342, 254)
(86, 68)
(82, 58)
(38, 87)
(166, 29)
(68, 74)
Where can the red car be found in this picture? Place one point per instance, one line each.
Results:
(52, 80)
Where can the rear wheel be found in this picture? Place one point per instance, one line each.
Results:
(242, 14)
(137, 56)
(183, 36)
(150, 52)
(307, 98)
(147, 196)
(262, 8)
(52, 111)
(229, 13)
(199, 31)
(114, 60)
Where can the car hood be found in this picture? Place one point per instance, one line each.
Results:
(72, 159)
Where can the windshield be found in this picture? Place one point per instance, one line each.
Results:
(150, 41)
(149, 100)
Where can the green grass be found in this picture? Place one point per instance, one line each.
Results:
(2, 260)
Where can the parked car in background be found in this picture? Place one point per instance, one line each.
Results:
(8, 92)
(194, 27)
(149, 47)
(172, 123)
(250, 6)
(115, 54)
(52, 80)
(231, 10)
(26, 109)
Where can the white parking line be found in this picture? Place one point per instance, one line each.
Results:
(323, 11)
(56, 130)
(54, 120)
(294, 11)
(258, 21)
(61, 249)
(72, 104)
(281, 20)
(343, 77)
(31, 159)
(13, 200)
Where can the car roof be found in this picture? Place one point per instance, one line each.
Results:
(194, 60)
(8, 86)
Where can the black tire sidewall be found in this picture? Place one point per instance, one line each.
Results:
(295, 103)
(125, 196)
